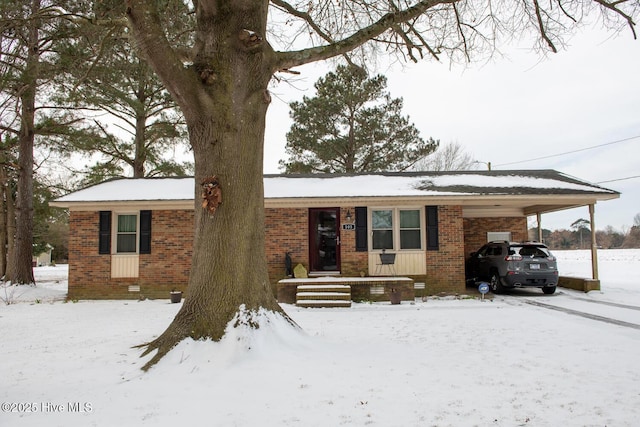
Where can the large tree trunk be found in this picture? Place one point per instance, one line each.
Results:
(4, 193)
(226, 125)
(228, 265)
(22, 269)
(11, 229)
(140, 153)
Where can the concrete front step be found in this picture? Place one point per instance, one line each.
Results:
(323, 303)
(324, 288)
(323, 295)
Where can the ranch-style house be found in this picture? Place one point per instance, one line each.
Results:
(132, 238)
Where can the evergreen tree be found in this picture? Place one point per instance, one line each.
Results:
(352, 125)
(581, 228)
(51, 225)
(30, 33)
(131, 121)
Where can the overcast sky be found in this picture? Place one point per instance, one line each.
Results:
(517, 109)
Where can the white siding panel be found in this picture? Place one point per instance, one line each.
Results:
(124, 265)
(407, 263)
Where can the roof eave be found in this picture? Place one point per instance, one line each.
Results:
(123, 205)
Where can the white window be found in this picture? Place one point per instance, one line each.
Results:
(410, 230)
(382, 229)
(397, 229)
(126, 233)
(493, 236)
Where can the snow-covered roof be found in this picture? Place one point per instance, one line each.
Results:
(480, 193)
(426, 184)
(134, 189)
(411, 184)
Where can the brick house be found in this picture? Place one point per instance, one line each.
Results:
(132, 238)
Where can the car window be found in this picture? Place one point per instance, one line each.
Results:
(534, 251)
(495, 250)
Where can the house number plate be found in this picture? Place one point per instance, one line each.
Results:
(348, 226)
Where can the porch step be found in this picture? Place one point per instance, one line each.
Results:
(323, 296)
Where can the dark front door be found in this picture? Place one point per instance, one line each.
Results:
(324, 239)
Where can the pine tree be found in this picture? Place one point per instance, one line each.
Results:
(352, 125)
(131, 121)
(30, 33)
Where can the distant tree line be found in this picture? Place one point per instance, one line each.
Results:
(579, 236)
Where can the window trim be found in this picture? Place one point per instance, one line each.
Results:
(420, 228)
(392, 229)
(114, 233)
(395, 227)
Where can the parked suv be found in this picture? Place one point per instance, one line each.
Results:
(507, 265)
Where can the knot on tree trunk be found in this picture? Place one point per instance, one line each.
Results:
(208, 76)
(250, 39)
(211, 194)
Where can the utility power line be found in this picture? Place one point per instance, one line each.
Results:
(618, 179)
(572, 152)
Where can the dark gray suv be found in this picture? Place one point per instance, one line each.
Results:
(509, 265)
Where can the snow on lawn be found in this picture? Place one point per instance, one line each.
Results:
(443, 362)
(619, 272)
(51, 286)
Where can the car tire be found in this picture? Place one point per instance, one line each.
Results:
(495, 284)
(549, 290)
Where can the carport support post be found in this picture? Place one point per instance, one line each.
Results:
(594, 244)
(539, 219)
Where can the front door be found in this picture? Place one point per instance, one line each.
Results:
(324, 240)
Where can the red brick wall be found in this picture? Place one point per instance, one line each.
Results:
(287, 230)
(475, 230)
(353, 263)
(445, 267)
(88, 271)
(166, 268)
(169, 262)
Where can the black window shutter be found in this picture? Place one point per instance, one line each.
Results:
(104, 238)
(361, 229)
(432, 228)
(145, 232)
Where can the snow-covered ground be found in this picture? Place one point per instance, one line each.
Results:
(440, 362)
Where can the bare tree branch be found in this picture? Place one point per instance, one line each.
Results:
(386, 22)
(541, 25)
(613, 6)
(567, 14)
(462, 35)
(309, 20)
(153, 44)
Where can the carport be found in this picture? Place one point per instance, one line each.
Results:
(536, 200)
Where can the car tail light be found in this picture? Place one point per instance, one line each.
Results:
(513, 258)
